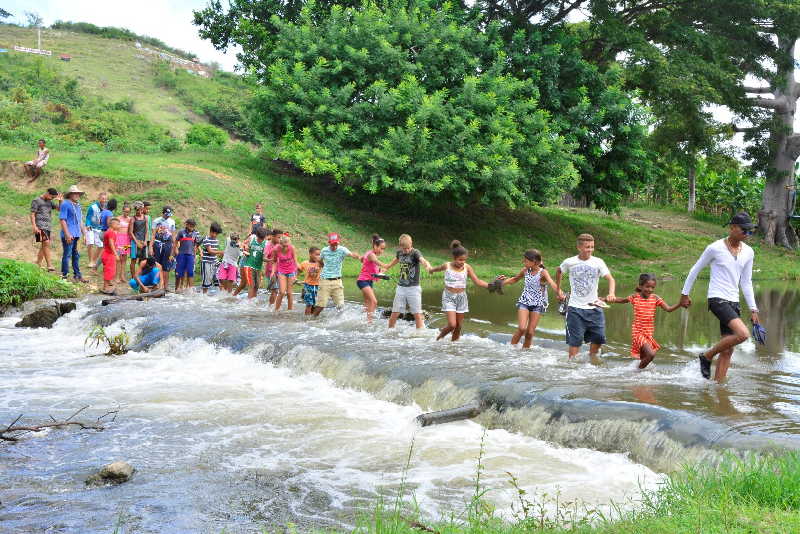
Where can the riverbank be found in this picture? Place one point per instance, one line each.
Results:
(21, 281)
(757, 494)
(224, 186)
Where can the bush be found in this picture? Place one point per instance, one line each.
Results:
(20, 282)
(170, 145)
(206, 135)
(240, 150)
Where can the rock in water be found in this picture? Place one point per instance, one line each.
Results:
(113, 473)
(45, 317)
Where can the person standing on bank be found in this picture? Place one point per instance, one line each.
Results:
(94, 229)
(731, 262)
(41, 210)
(72, 228)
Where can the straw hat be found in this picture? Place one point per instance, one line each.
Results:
(73, 189)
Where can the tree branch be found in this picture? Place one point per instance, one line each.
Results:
(760, 90)
(13, 431)
(745, 129)
(778, 104)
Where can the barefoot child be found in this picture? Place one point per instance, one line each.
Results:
(110, 256)
(273, 241)
(228, 269)
(139, 233)
(312, 268)
(645, 302)
(284, 261)
(408, 294)
(124, 241)
(585, 319)
(532, 302)
(209, 249)
(184, 250)
(164, 243)
(371, 266)
(454, 296)
(253, 251)
(147, 276)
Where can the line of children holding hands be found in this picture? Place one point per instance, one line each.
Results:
(585, 320)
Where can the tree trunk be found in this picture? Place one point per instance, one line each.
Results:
(773, 219)
(692, 179)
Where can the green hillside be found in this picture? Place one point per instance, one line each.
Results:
(117, 70)
(224, 185)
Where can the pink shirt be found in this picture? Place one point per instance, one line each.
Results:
(268, 248)
(286, 261)
(368, 268)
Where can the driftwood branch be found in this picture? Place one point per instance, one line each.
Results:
(139, 296)
(745, 129)
(14, 431)
(467, 411)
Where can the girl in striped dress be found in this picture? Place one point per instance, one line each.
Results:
(644, 302)
(532, 302)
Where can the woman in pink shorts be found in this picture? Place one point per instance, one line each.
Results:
(123, 241)
(285, 264)
(228, 270)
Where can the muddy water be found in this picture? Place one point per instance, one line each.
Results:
(239, 419)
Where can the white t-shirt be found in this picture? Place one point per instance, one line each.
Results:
(727, 273)
(584, 276)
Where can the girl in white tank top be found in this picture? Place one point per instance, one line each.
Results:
(532, 302)
(454, 296)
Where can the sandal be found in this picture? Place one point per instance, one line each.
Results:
(109, 293)
(81, 280)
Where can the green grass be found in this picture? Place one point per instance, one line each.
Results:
(110, 68)
(20, 282)
(740, 496)
(223, 186)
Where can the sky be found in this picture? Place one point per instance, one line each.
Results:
(168, 20)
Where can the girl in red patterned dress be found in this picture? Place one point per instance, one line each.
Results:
(645, 302)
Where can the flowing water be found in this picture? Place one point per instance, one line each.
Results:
(238, 419)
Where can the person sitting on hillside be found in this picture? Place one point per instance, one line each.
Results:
(34, 167)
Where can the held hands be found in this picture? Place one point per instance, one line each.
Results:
(685, 301)
(561, 295)
(754, 317)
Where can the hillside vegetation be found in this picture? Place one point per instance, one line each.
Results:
(224, 185)
(115, 71)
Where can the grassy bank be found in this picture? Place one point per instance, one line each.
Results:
(21, 281)
(225, 185)
(754, 495)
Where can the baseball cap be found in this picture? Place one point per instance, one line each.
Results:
(742, 220)
(333, 238)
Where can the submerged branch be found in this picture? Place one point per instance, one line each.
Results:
(14, 431)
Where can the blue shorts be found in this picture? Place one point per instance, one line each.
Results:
(531, 308)
(289, 275)
(310, 294)
(185, 265)
(161, 252)
(364, 283)
(585, 326)
(150, 279)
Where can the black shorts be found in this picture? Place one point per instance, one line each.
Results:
(45, 233)
(726, 311)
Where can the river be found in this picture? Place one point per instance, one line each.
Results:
(238, 419)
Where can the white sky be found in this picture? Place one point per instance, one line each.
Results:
(168, 20)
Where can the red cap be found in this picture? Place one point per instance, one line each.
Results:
(333, 238)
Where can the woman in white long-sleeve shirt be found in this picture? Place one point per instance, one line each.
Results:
(731, 262)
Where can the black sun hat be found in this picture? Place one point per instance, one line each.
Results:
(742, 220)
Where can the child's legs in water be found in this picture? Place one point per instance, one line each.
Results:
(452, 324)
(523, 316)
(457, 329)
(370, 301)
(646, 355)
(530, 331)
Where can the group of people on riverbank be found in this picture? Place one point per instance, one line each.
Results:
(151, 249)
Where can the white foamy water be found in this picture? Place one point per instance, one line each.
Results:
(222, 439)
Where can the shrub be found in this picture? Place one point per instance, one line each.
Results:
(206, 135)
(170, 144)
(240, 150)
(20, 282)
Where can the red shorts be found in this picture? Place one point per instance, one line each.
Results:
(109, 266)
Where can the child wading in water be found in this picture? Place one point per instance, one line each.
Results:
(312, 268)
(228, 269)
(454, 296)
(110, 256)
(370, 267)
(284, 261)
(532, 302)
(645, 302)
(408, 294)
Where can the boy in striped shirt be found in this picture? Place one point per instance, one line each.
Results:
(209, 248)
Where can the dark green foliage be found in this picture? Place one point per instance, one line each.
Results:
(22, 281)
(37, 100)
(206, 135)
(410, 101)
(124, 34)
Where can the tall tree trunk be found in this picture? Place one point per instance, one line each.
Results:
(692, 179)
(773, 220)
